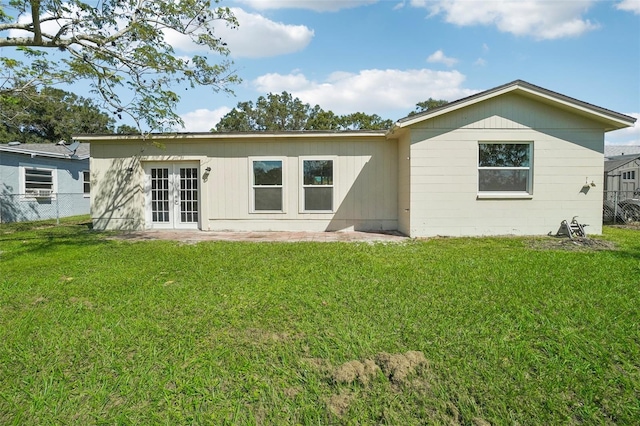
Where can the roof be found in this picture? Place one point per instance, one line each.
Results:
(619, 161)
(235, 135)
(617, 150)
(611, 119)
(47, 150)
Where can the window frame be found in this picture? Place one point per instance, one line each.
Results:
(526, 194)
(24, 167)
(302, 186)
(252, 186)
(85, 182)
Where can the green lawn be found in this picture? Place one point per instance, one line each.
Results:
(468, 331)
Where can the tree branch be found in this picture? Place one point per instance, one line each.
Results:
(35, 16)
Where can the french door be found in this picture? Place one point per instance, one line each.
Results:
(172, 195)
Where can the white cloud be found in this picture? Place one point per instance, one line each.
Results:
(255, 37)
(203, 120)
(629, 6)
(540, 19)
(439, 57)
(371, 91)
(628, 136)
(480, 62)
(315, 5)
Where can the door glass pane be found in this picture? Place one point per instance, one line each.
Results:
(188, 194)
(160, 195)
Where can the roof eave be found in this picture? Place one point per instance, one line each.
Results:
(611, 119)
(34, 153)
(230, 135)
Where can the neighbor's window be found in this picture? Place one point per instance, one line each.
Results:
(38, 181)
(631, 175)
(317, 185)
(504, 167)
(86, 181)
(267, 185)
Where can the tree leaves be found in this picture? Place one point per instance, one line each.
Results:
(49, 116)
(284, 113)
(121, 47)
(427, 105)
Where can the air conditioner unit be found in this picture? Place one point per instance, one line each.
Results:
(40, 193)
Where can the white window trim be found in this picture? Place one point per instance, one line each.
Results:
(86, 194)
(522, 195)
(252, 187)
(22, 167)
(302, 186)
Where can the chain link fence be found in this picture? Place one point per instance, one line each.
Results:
(620, 207)
(29, 207)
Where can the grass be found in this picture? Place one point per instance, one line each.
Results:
(98, 331)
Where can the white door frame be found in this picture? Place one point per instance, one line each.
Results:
(172, 201)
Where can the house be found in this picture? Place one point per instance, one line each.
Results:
(43, 181)
(516, 159)
(622, 173)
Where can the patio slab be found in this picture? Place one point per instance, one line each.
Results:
(194, 236)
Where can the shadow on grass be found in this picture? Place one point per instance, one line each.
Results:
(32, 238)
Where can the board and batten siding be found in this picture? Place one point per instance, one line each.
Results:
(365, 182)
(567, 153)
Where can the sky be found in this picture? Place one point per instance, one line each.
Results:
(384, 56)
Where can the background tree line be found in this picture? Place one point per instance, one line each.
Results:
(51, 115)
(284, 113)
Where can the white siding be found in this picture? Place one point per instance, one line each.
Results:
(567, 152)
(365, 182)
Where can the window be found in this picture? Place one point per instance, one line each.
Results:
(504, 168)
(317, 185)
(631, 175)
(266, 180)
(86, 182)
(38, 181)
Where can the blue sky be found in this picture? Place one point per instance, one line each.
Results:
(384, 56)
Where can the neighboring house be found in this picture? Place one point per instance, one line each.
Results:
(43, 181)
(622, 173)
(517, 159)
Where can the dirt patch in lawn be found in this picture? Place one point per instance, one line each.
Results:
(339, 404)
(397, 367)
(399, 371)
(568, 244)
(352, 371)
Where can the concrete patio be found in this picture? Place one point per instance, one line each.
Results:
(194, 236)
